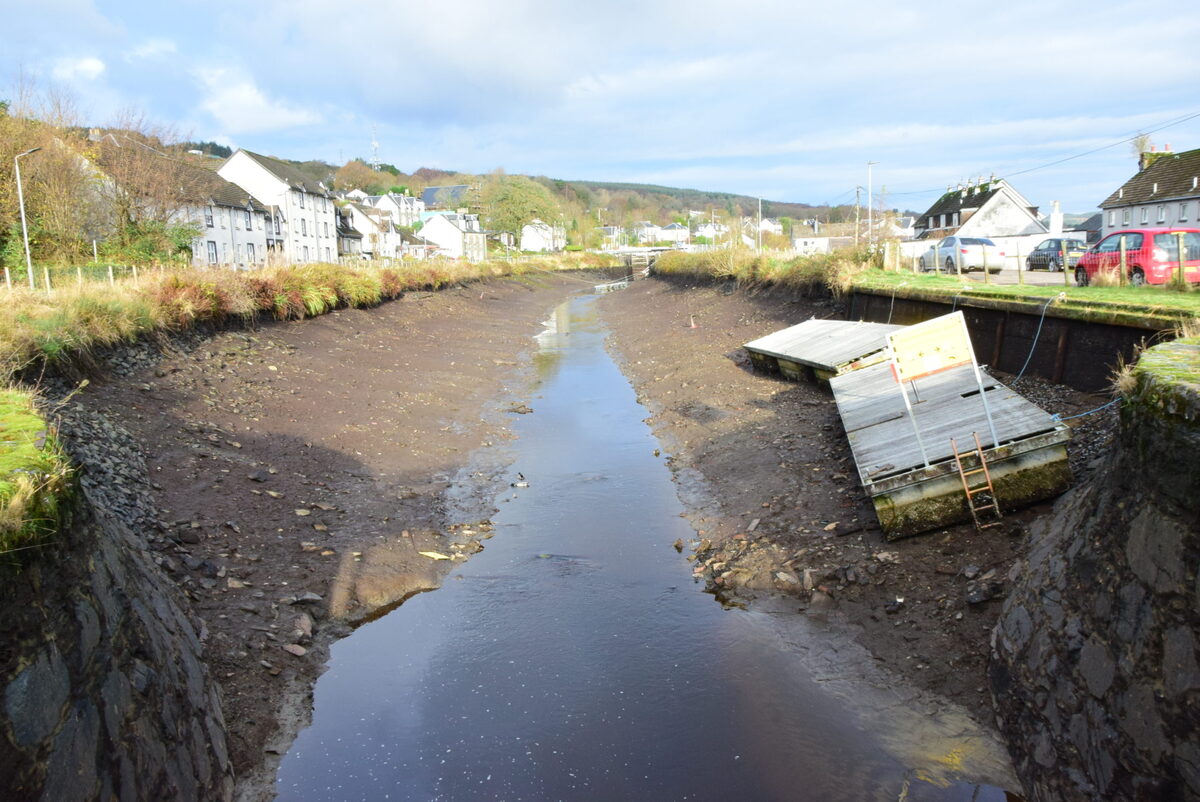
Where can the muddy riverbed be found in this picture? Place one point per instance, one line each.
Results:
(300, 469)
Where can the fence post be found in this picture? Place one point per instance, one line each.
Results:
(135, 276)
(1121, 274)
(50, 290)
(1020, 265)
(1182, 260)
(79, 275)
(111, 280)
(986, 273)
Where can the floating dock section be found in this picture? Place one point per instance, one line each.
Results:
(826, 348)
(1029, 464)
(913, 491)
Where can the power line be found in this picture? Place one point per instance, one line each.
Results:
(1163, 126)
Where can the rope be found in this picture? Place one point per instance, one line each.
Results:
(1038, 334)
(954, 305)
(893, 304)
(1059, 418)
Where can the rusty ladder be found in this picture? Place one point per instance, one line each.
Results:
(973, 491)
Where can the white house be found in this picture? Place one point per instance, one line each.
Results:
(674, 232)
(989, 208)
(1164, 192)
(404, 209)
(769, 225)
(303, 219)
(234, 227)
(349, 238)
(647, 232)
(456, 235)
(711, 231)
(542, 237)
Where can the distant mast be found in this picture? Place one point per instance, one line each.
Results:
(374, 147)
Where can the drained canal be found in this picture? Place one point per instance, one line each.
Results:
(574, 658)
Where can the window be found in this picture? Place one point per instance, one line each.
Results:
(208, 217)
(249, 251)
(1183, 212)
(247, 218)
(1125, 217)
(1170, 244)
(1162, 213)
(239, 252)
(212, 252)
(1145, 214)
(301, 194)
(327, 258)
(306, 253)
(954, 219)
(303, 227)
(277, 225)
(327, 229)
(1112, 219)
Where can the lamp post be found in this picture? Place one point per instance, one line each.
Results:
(24, 227)
(870, 210)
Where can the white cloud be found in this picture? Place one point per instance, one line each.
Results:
(69, 70)
(241, 107)
(151, 49)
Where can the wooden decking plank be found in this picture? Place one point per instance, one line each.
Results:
(823, 344)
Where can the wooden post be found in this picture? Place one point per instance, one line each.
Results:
(1182, 260)
(1062, 245)
(1121, 274)
(1020, 266)
(50, 290)
(79, 275)
(111, 280)
(135, 276)
(987, 274)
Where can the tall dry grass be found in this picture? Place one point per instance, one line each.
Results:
(836, 271)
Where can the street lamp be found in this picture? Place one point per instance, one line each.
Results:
(870, 210)
(24, 227)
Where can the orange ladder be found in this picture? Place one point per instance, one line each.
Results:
(973, 491)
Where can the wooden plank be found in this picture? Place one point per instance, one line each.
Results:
(823, 344)
(881, 434)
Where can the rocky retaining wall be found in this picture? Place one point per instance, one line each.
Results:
(1095, 673)
(103, 690)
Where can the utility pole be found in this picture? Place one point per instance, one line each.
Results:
(857, 210)
(758, 233)
(870, 211)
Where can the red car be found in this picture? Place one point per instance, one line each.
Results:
(1151, 255)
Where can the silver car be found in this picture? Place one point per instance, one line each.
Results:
(963, 253)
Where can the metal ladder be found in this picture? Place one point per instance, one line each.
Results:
(973, 491)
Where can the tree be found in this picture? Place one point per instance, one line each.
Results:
(511, 201)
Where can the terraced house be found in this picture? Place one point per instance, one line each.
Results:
(303, 222)
(1164, 192)
(233, 226)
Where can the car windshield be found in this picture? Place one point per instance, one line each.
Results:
(976, 241)
(1075, 243)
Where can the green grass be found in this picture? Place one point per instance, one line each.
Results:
(34, 475)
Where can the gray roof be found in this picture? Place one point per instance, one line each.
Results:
(290, 175)
(1169, 175)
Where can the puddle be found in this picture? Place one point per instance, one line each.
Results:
(574, 658)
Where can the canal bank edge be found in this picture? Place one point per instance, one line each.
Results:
(1094, 661)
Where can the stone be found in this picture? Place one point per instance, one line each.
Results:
(34, 701)
(1180, 673)
(1141, 721)
(1096, 667)
(294, 648)
(89, 628)
(71, 769)
(1155, 551)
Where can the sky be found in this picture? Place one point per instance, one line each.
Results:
(788, 101)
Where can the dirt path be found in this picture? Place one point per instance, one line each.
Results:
(298, 469)
(766, 467)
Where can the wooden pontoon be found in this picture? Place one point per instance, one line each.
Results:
(827, 348)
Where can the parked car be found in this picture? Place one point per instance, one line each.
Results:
(1049, 254)
(1151, 255)
(967, 253)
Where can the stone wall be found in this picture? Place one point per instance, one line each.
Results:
(103, 689)
(1094, 668)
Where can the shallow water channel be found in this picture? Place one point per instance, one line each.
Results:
(574, 658)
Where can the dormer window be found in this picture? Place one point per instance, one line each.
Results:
(208, 216)
(246, 217)
(301, 194)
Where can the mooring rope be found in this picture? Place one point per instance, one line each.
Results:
(1059, 418)
(1037, 334)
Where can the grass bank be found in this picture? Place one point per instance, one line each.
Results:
(76, 321)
